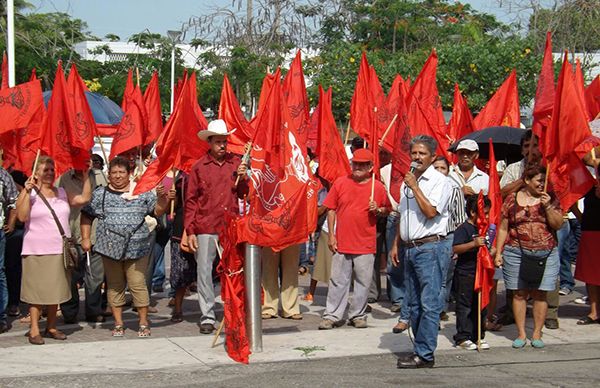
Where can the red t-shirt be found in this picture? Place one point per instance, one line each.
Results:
(356, 227)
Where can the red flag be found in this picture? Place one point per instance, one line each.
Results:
(592, 98)
(179, 145)
(57, 131)
(132, 129)
(313, 130)
(401, 152)
(333, 161)
(494, 193)
(282, 193)
(193, 90)
(568, 129)
(580, 83)
(265, 90)
(20, 146)
(230, 270)
(128, 90)
(20, 105)
(503, 108)
(461, 122)
(4, 72)
(153, 109)
(294, 94)
(33, 75)
(544, 94)
(83, 123)
(425, 115)
(361, 106)
(231, 113)
(484, 275)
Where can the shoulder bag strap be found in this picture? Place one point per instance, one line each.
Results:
(104, 215)
(43, 198)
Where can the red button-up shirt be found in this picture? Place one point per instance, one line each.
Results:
(211, 192)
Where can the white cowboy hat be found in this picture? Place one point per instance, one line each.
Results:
(215, 128)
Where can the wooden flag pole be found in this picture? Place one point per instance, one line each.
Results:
(222, 324)
(137, 74)
(547, 175)
(593, 154)
(174, 171)
(347, 133)
(479, 321)
(35, 163)
(388, 129)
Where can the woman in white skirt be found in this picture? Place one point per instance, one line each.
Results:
(45, 281)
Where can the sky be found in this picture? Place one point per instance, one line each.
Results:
(127, 17)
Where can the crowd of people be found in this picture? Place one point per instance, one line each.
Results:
(427, 233)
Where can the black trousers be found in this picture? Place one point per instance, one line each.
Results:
(466, 309)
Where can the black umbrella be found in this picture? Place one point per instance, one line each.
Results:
(506, 140)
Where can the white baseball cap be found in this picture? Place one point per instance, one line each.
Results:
(467, 144)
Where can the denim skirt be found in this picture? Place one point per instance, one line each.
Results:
(512, 264)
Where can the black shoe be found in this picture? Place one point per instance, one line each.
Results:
(4, 327)
(207, 328)
(371, 300)
(13, 311)
(95, 319)
(158, 289)
(551, 324)
(414, 362)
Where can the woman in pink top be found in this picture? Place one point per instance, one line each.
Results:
(45, 281)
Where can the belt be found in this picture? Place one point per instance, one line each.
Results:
(424, 240)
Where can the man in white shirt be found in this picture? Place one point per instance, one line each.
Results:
(423, 212)
(467, 176)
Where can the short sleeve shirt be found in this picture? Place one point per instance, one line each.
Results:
(122, 215)
(528, 224)
(356, 227)
(467, 262)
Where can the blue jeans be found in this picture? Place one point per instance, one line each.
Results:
(423, 274)
(568, 241)
(395, 275)
(3, 285)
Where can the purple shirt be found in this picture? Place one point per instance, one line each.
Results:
(42, 236)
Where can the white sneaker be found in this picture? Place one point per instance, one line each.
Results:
(484, 345)
(582, 300)
(467, 345)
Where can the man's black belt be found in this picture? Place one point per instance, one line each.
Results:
(420, 241)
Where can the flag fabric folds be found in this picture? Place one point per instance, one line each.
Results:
(296, 98)
(592, 98)
(154, 125)
(503, 108)
(494, 193)
(484, 274)
(20, 105)
(231, 113)
(83, 123)
(401, 151)
(461, 121)
(544, 94)
(4, 72)
(131, 132)
(333, 161)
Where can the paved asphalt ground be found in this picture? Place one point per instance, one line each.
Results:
(177, 355)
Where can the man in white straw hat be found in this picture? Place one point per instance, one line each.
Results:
(211, 191)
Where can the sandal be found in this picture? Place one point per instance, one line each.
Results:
(302, 270)
(587, 320)
(177, 317)
(144, 331)
(118, 331)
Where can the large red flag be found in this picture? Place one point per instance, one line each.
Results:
(568, 129)
(57, 132)
(20, 105)
(592, 98)
(4, 72)
(233, 291)
(129, 87)
(282, 193)
(132, 129)
(461, 122)
(193, 90)
(425, 115)
(294, 95)
(484, 275)
(231, 113)
(503, 108)
(33, 75)
(83, 123)
(333, 161)
(265, 90)
(494, 193)
(580, 83)
(544, 94)
(361, 106)
(401, 151)
(179, 144)
(20, 146)
(153, 109)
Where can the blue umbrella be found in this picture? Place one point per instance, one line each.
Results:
(104, 110)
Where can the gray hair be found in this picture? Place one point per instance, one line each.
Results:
(427, 141)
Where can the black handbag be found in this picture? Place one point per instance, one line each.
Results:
(113, 243)
(532, 268)
(69, 253)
